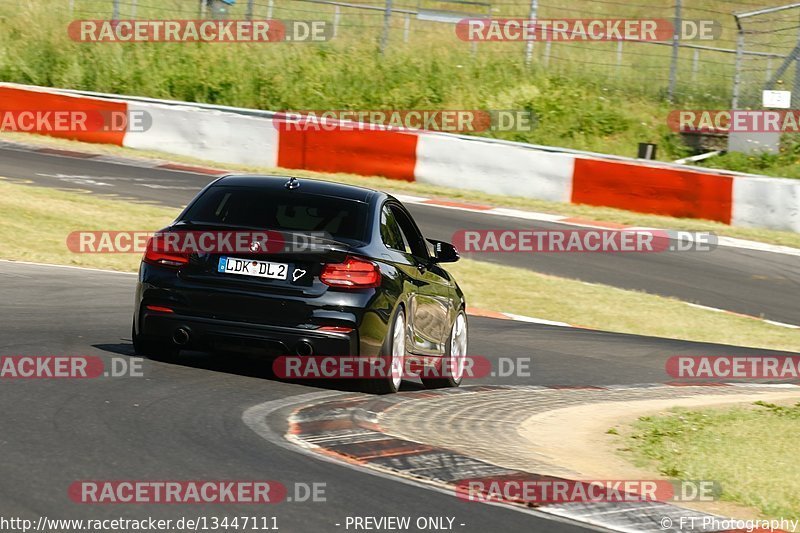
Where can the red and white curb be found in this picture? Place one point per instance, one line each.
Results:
(347, 430)
(264, 138)
(131, 161)
(486, 210)
(485, 313)
(442, 204)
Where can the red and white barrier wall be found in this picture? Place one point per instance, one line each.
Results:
(439, 159)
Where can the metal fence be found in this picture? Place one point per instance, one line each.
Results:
(757, 46)
(768, 54)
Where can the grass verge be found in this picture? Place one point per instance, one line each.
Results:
(35, 222)
(607, 214)
(749, 451)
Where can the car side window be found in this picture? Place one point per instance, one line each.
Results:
(413, 237)
(390, 231)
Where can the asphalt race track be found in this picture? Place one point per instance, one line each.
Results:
(745, 281)
(183, 420)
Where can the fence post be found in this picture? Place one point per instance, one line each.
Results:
(796, 89)
(270, 5)
(737, 75)
(133, 9)
(695, 63)
(115, 10)
(202, 10)
(619, 55)
(529, 43)
(547, 45)
(673, 68)
(406, 27)
(337, 13)
(249, 14)
(387, 22)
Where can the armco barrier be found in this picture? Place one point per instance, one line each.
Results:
(652, 189)
(206, 134)
(253, 137)
(21, 98)
(368, 153)
(495, 168)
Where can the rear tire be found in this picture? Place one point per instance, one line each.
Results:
(393, 357)
(157, 351)
(451, 369)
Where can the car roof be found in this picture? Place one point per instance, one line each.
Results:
(307, 186)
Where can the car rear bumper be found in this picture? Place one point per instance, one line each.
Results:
(208, 333)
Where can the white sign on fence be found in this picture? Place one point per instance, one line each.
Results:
(777, 99)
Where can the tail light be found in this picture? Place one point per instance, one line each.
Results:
(354, 273)
(155, 256)
(335, 329)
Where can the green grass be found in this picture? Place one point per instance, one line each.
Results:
(786, 163)
(581, 102)
(35, 222)
(750, 452)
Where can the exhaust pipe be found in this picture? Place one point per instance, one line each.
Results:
(181, 336)
(304, 348)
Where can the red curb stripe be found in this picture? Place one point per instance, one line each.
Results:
(688, 384)
(379, 449)
(66, 153)
(191, 168)
(462, 205)
(587, 222)
(576, 387)
(320, 426)
(485, 313)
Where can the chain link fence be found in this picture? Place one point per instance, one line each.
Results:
(768, 54)
(755, 48)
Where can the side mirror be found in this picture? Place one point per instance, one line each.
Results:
(445, 252)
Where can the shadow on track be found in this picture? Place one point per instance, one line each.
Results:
(247, 365)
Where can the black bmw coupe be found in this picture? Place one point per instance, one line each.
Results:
(341, 271)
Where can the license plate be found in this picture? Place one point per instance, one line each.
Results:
(252, 267)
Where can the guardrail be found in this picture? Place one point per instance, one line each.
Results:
(254, 137)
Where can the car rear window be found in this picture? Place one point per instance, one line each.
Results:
(252, 207)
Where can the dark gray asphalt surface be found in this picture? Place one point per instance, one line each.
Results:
(182, 420)
(745, 281)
